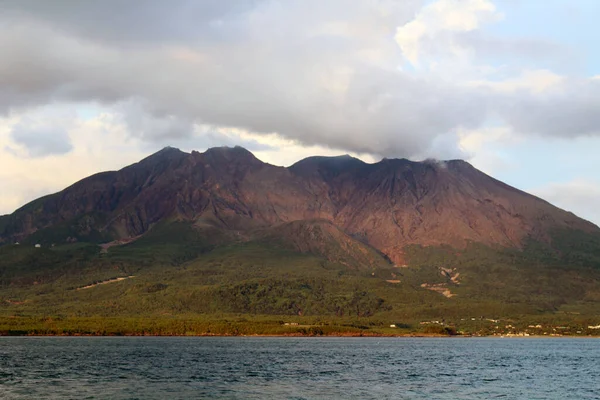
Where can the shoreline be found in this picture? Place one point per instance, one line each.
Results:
(299, 335)
(232, 326)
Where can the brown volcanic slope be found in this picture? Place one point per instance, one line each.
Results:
(386, 205)
(323, 238)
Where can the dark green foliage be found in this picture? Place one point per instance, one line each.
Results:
(440, 330)
(157, 287)
(576, 248)
(179, 279)
(77, 230)
(298, 297)
(24, 264)
(537, 277)
(168, 242)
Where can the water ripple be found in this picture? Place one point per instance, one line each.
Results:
(298, 368)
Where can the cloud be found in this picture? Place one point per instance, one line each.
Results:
(579, 194)
(566, 109)
(132, 22)
(41, 142)
(431, 32)
(520, 51)
(305, 78)
(40, 135)
(380, 77)
(532, 81)
(152, 126)
(97, 144)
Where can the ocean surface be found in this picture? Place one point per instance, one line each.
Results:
(298, 368)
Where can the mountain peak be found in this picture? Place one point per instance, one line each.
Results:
(164, 154)
(168, 148)
(230, 154)
(227, 149)
(340, 158)
(326, 164)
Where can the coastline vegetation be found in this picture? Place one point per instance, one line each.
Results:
(174, 282)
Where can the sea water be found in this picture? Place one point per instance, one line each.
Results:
(298, 368)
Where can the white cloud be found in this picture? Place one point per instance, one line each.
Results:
(97, 145)
(534, 81)
(322, 74)
(270, 73)
(429, 35)
(482, 148)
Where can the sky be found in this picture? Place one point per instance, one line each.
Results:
(511, 86)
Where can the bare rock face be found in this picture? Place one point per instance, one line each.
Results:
(386, 205)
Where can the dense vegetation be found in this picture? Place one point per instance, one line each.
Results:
(181, 280)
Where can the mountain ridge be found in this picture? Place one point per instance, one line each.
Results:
(387, 205)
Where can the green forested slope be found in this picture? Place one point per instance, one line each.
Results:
(182, 279)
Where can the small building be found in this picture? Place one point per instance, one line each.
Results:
(37, 246)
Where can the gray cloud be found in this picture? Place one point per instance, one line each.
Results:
(152, 126)
(317, 72)
(128, 22)
(568, 110)
(41, 142)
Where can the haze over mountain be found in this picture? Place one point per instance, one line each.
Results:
(381, 207)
